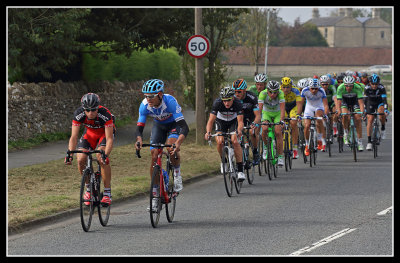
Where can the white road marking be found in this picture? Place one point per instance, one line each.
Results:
(323, 241)
(384, 212)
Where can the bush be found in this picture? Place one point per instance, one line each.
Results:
(164, 64)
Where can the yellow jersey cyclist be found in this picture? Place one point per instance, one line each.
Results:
(330, 91)
(272, 102)
(292, 101)
(351, 94)
(251, 112)
(261, 80)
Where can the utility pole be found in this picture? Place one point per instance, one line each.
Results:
(200, 101)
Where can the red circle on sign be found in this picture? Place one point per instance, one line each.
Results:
(193, 48)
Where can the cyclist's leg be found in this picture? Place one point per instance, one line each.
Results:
(278, 134)
(173, 136)
(293, 125)
(320, 126)
(86, 143)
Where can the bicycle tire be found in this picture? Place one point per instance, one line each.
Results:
(170, 207)
(354, 142)
(261, 163)
(329, 138)
(86, 210)
(249, 164)
(155, 215)
(268, 163)
(274, 158)
(286, 150)
(104, 212)
(228, 180)
(234, 175)
(375, 140)
(340, 136)
(311, 147)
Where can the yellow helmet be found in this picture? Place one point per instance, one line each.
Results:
(286, 81)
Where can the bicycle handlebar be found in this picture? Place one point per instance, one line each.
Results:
(103, 154)
(155, 145)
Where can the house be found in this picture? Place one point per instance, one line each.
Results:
(305, 61)
(346, 31)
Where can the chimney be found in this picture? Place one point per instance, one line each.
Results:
(315, 13)
(348, 12)
(341, 11)
(376, 12)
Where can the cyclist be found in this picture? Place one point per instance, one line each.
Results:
(330, 92)
(364, 78)
(251, 112)
(292, 101)
(317, 104)
(99, 132)
(350, 94)
(375, 100)
(272, 103)
(227, 114)
(169, 126)
(261, 80)
(339, 80)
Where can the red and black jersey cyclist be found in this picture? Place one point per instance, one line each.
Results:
(99, 133)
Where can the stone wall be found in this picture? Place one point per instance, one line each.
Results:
(49, 107)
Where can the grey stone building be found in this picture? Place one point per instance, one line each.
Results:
(346, 31)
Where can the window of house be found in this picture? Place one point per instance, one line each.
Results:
(382, 34)
(326, 33)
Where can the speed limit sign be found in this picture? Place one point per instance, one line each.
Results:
(198, 46)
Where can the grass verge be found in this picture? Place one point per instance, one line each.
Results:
(41, 190)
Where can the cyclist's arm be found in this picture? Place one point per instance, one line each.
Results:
(240, 125)
(73, 140)
(210, 122)
(282, 107)
(300, 105)
(184, 130)
(257, 113)
(326, 106)
(109, 130)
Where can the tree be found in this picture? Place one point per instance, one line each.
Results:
(43, 41)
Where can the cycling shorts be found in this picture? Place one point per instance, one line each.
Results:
(91, 139)
(160, 132)
(310, 109)
(372, 106)
(225, 126)
(292, 113)
(271, 116)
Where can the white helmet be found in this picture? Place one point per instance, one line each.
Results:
(348, 80)
(260, 77)
(302, 83)
(325, 79)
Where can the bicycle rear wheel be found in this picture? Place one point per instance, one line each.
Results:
(228, 179)
(155, 208)
(374, 141)
(86, 205)
(311, 147)
(268, 162)
(340, 136)
(170, 207)
(353, 142)
(104, 211)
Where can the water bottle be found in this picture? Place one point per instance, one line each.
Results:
(166, 179)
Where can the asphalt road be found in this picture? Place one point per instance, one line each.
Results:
(339, 207)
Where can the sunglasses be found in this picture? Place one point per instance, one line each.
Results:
(348, 86)
(238, 91)
(150, 96)
(273, 92)
(324, 84)
(89, 110)
(313, 88)
(227, 99)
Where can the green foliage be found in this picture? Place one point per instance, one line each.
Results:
(162, 64)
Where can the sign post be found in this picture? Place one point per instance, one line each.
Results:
(198, 46)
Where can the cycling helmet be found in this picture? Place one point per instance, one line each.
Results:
(260, 78)
(375, 79)
(302, 83)
(364, 74)
(314, 83)
(90, 101)
(315, 77)
(239, 84)
(273, 85)
(348, 80)
(153, 86)
(341, 76)
(226, 92)
(286, 81)
(325, 79)
(349, 73)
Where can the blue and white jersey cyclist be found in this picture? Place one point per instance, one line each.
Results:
(169, 125)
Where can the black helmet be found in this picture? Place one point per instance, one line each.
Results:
(90, 101)
(227, 92)
(273, 85)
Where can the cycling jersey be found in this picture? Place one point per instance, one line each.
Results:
(374, 98)
(250, 104)
(271, 107)
(94, 133)
(314, 102)
(330, 94)
(254, 90)
(291, 98)
(357, 91)
(226, 117)
(168, 111)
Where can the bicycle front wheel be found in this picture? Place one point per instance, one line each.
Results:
(354, 142)
(86, 201)
(155, 198)
(170, 207)
(104, 211)
(249, 165)
(228, 179)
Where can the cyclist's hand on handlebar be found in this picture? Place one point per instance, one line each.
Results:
(68, 159)
(104, 158)
(207, 136)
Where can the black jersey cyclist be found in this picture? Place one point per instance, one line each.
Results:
(227, 114)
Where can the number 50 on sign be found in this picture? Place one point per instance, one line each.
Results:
(197, 46)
